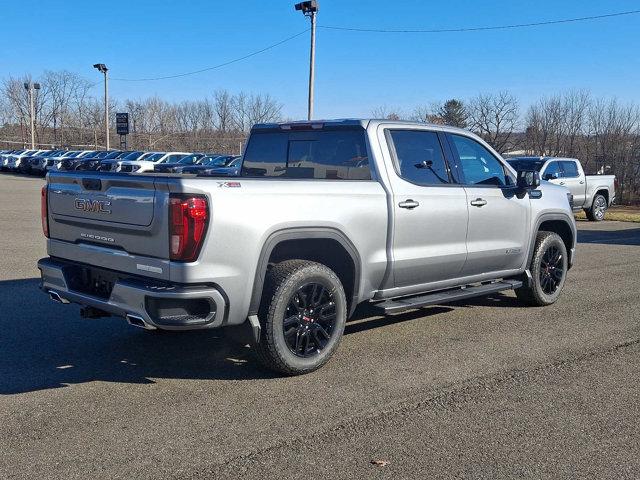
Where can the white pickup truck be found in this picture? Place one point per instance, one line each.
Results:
(591, 193)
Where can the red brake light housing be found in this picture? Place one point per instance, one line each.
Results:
(188, 219)
(44, 211)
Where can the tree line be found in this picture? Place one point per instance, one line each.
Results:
(67, 113)
(603, 133)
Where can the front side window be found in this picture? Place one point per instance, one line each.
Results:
(570, 169)
(552, 171)
(419, 156)
(478, 164)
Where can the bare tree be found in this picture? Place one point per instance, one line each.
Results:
(614, 134)
(223, 110)
(252, 109)
(494, 117)
(387, 113)
(427, 114)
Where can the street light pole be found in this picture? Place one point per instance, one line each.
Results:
(310, 9)
(312, 64)
(29, 87)
(102, 68)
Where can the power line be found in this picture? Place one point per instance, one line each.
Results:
(478, 29)
(377, 30)
(235, 60)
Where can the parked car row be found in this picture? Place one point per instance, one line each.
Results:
(39, 162)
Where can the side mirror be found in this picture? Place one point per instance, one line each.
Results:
(528, 180)
(550, 176)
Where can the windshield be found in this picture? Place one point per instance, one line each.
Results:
(213, 161)
(133, 156)
(190, 159)
(155, 157)
(528, 164)
(235, 163)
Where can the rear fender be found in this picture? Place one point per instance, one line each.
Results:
(302, 234)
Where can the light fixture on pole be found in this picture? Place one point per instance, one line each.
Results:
(102, 68)
(30, 87)
(310, 9)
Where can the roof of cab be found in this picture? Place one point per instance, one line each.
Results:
(346, 122)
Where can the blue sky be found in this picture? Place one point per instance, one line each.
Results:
(356, 72)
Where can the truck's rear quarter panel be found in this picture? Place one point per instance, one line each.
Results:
(244, 217)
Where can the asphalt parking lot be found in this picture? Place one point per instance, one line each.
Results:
(480, 389)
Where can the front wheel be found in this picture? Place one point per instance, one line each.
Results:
(548, 271)
(302, 317)
(598, 209)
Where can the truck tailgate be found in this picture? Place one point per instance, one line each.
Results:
(123, 213)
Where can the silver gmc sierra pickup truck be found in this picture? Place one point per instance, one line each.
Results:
(325, 215)
(591, 193)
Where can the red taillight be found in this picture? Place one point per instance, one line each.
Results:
(44, 210)
(187, 227)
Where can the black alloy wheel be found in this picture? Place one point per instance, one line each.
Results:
(309, 320)
(551, 270)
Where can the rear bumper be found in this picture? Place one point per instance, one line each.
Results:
(161, 305)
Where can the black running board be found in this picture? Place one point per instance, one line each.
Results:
(445, 296)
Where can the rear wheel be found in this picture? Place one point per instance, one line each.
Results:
(302, 317)
(548, 271)
(598, 208)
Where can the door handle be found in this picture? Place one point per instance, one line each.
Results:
(479, 202)
(409, 204)
(581, 182)
(561, 183)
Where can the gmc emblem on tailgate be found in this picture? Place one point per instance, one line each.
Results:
(95, 206)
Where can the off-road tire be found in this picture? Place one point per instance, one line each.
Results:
(534, 294)
(281, 283)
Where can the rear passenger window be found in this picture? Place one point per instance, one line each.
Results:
(570, 169)
(419, 156)
(266, 155)
(325, 154)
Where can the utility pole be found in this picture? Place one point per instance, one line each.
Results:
(310, 9)
(30, 87)
(102, 68)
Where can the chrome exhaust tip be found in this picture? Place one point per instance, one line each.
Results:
(55, 296)
(138, 321)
